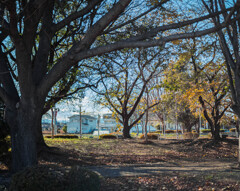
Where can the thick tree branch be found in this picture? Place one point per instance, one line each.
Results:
(130, 43)
(6, 79)
(141, 115)
(68, 60)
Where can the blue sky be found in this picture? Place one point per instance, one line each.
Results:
(67, 109)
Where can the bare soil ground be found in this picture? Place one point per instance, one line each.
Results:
(122, 153)
(179, 181)
(163, 153)
(95, 152)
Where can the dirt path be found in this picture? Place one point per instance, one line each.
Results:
(227, 168)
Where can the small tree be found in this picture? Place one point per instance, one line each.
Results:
(64, 128)
(124, 85)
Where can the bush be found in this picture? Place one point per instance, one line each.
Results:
(179, 131)
(169, 131)
(233, 130)
(64, 128)
(116, 133)
(206, 130)
(82, 179)
(158, 127)
(190, 135)
(150, 136)
(63, 136)
(209, 135)
(38, 178)
(5, 145)
(158, 131)
(53, 178)
(107, 136)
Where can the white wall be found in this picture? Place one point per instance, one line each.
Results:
(73, 126)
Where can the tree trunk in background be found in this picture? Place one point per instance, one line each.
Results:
(126, 132)
(216, 134)
(237, 127)
(137, 129)
(146, 120)
(187, 127)
(126, 129)
(163, 126)
(198, 128)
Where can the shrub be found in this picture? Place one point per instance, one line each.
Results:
(190, 135)
(158, 127)
(5, 145)
(179, 131)
(64, 128)
(38, 178)
(82, 179)
(120, 134)
(233, 130)
(108, 136)
(158, 131)
(150, 136)
(206, 130)
(116, 133)
(169, 131)
(209, 135)
(63, 136)
(53, 178)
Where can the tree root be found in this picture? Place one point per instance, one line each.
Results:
(50, 150)
(197, 142)
(147, 142)
(211, 144)
(232, 141)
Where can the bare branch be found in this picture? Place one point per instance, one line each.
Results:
(76, 15)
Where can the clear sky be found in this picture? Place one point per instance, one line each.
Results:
(69, 108)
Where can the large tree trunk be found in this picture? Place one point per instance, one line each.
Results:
(216, 132)
(187, 127)
(126, 133)
(163, 124)
(126, 130)
(24, 133)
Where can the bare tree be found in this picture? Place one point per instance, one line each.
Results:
(229, 40)
(123, 91)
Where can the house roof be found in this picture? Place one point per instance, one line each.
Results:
(83, 116)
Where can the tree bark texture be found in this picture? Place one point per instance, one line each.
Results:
(126, 130)
(26, 136)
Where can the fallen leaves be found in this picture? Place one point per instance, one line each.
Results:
(168, 183)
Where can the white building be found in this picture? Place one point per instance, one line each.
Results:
(89, 123)
(108, 122)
